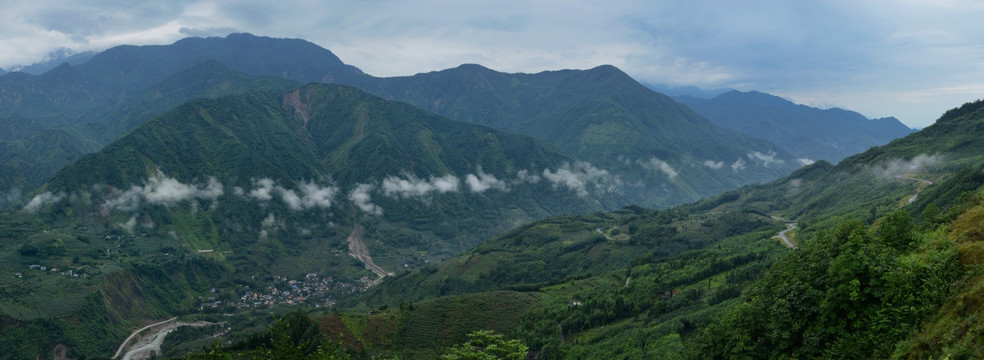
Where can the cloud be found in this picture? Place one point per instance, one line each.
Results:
(42, 199)
(714, 164)
(765, 159)
(311, 194)
(524, 176)
(130, 225)
(805, 161)
(414, 187)
(738, 165)
(576, 177)
(262, 189)
(269, 221)
(361, 198)
(657, 165)
(161, 189)
(481, 182)
(897, 167)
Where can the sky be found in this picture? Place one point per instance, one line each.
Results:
(904, 58)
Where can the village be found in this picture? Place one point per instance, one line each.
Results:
(312, 289)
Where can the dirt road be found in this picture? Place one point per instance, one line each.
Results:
(358, 249)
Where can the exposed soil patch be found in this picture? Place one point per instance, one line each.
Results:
(358, 249)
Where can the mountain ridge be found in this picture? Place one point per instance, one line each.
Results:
(807, 132)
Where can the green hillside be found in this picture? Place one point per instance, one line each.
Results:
(807, 133)
(219, 198)
(51, 119)
(665, 153)
(659, 151)
(34, 156)
(878, 271)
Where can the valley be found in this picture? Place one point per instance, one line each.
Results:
(271, 201)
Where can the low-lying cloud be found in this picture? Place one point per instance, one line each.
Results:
(738, 165)
(805, 161)
(161, 189)
(481, 182)
(412, 186)
(579, 177)
(42, 199)
(576, 177)
(524, 176)
(765, 159)
(716, 165)
(657, 165)
(361, 198)
(311, 195)
(897, 167)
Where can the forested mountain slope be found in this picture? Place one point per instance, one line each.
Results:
(222, 197)
(886, 256)
(662, 152)
(806, 132)
(666, 153)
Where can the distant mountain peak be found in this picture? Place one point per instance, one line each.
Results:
(472, 67)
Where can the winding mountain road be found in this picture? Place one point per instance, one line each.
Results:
(913, 179)
(782, 235)
(790, 225)
(916, 195)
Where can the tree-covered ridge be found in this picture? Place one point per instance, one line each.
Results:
(72, 110)
(665, 153)
(807, 133)
(603, 116)
(34, 155)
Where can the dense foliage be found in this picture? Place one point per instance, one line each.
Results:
(854, 292)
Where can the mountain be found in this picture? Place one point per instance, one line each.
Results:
(343, 139)
(238, 191)
(87, 92)
(34, 152)
(807, 133)
(96, 100)
(662, 152)
(886, 254)
(665, 153)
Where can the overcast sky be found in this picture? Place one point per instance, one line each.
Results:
(909, 59)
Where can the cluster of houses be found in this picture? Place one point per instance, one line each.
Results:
(69, 272)
(312, 289)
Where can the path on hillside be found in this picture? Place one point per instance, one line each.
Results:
(790, 225)
(358, 249)
(913, 179)
(916, 195)
(604, 234)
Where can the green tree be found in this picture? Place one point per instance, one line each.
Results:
(486, 345)
(931, 215)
